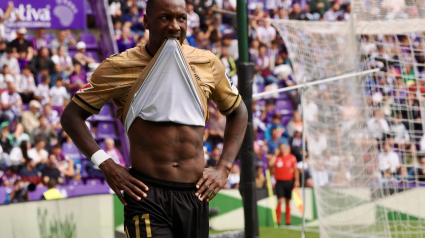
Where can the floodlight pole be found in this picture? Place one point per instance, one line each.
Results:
(247, 186)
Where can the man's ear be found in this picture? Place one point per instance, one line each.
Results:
(146, 21)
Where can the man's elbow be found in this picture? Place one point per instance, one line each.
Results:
(240, 114)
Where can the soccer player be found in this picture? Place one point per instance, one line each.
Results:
(167, 189)
(287, 177)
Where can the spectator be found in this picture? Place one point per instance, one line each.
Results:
(254, 50)
(317, 144)
(45, 133)
(52, 193)
(20, 42)
(42, 92)
(26, 85)
(394, 8)
(378, 126)
(295, 124)
(39, 40)
(260, 180)
(77, 79)
(24, 58)
(266, 33)
(20, 193)
(282, 14)
(322, 176)
(287, 177)
(232, 46)
(87, 62)
(20, 135)
(347, 12)
(11, 176)
(113, 152)
(30, 118)
(388, 159)
(38, 154)
(52, 116)
(5, 139)
(319, 7)
(19, 154)
(234, 177)
(274, 142)
(276, 123)
(229, 64)
(42, 62)
(11, 102)
(64, 38)
(64, 163)
(297, 13)
(58, 94)
(399, 132)
(215, 156)
(125, 42)
(262, 67)
(193, 21)
(4, 77)
(333, 13)
(63, 60)
(10, 61)
(30, 173)
(3, 18)
(296, 143)
(268, 112)
(420, 171)
(51, 171)
(136, 20)
(304, 166)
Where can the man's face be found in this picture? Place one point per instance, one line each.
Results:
(43, 121)
(40, 32)
(216, 154)
(275, 134)
(296, 8)
(386, 147)
(189, 8)
(167, 20)
(61, 36)
(40, 145)
(11, 87)
(57, 151)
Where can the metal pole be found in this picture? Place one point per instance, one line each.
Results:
(245, 77)
(304, 152)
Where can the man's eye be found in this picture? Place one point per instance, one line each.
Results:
(164, 18)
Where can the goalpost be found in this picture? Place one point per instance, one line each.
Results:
(354, 74)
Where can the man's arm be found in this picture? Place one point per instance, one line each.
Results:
(214, 179)
(73, 122)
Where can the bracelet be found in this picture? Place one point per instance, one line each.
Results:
(99, 157)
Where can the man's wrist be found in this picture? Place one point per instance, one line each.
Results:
(104, 166)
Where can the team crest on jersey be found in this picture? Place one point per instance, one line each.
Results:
(232, 85)
(86, 87)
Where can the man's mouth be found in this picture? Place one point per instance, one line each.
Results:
(175, 37)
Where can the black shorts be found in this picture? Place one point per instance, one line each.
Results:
(284, 188)
(170, 210)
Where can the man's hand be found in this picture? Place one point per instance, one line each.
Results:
(296, 184)
(212, 180)
(119, 179)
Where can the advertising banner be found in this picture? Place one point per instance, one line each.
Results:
(54, 14)
(89, 216)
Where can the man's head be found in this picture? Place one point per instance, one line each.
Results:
(216, 153)
(34, 106)
(284, 149)
(386, 147)
(62, 50)
(40, 32)
(45, 79)
(336, 7)
(61, 36)
(190, 7)
(21, 33)
(43, 121)
(134, 10)
(109, 143)
(276, 119)
(296, 8)
(22, 53)
(39, 143)
(26, 71)
(51, 161)
(422, 160)
(263, 51)
(227, 40)
(52, 183)
(59, 82)
(165, 19)
(57, 150)
(224, 51)
(235, 169)
(11, 87)
(9, 52)
(274, 133)
(47, 109)
(81, 46)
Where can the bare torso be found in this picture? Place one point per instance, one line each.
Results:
(166, 150)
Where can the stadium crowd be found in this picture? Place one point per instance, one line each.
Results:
(40, 73)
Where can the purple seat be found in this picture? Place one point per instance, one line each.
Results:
(25, 107)
(29, 36)
(105, 130)
(69, 149)
(284, 107)
(286, 119)
(72, 52)
(102, 145)
(76, 183)
(93, 182)
(90, 40)
(93, 54)
(104, 114)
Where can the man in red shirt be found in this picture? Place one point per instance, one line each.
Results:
(287, 177)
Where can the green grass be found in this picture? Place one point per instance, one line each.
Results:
(268, 232)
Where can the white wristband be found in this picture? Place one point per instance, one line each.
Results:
(99, 157)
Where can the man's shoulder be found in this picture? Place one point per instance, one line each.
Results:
(133, 57)
(194, 54)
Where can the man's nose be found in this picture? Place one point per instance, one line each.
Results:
(174, 25)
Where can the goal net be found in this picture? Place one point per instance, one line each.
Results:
(364, 133)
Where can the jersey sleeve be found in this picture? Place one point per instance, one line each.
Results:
(102, 86)
(225, 94)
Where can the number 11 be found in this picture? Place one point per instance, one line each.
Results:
(148, 225)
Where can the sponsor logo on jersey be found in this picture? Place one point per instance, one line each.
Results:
(85, 88)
